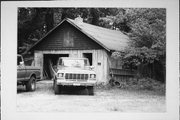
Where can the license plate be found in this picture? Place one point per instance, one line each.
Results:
(76, 84)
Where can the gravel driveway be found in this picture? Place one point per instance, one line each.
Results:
(104, 100)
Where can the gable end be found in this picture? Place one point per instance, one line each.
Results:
(65, 37)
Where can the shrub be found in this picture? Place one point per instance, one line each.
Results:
(141, 84)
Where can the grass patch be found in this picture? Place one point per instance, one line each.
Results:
(136, 84)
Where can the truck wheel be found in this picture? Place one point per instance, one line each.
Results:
(53, 84)
(84, 91)
(57, 89)
(91, 90)
(31, 84)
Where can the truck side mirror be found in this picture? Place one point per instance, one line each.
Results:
(21, 63)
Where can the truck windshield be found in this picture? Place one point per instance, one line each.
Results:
(75, 63)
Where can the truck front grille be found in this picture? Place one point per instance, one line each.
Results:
(72, 76)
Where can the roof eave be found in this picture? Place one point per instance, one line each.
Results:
(76, 26)
(45, 36)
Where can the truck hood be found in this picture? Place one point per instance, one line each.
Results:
(75, 70)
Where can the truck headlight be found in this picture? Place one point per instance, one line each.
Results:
(92, 76)
(60, 74)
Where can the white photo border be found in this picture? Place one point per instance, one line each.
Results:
(9, 52)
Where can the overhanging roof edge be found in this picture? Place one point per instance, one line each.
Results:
(76, 26)
(46, 35)
(90, 36)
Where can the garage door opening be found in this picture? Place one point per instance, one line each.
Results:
(53, 58)
(89, 56)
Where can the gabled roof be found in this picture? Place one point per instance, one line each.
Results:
(108, 39)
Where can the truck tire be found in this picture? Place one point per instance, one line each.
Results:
(57, 89)
(53, 84)
(91, 90)
(84, 91)
(31, 84)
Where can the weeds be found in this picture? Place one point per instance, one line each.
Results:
(136, 84)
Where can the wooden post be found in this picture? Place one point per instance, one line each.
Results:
(38, 57)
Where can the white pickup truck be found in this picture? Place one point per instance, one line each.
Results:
(74, 72)
(27, 75)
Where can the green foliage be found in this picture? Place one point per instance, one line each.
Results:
(147, 50)
(34, 23)
(143, 55)
(148, 35)
(146, 28)
(31, 26)
(147, 84)
(139, 84)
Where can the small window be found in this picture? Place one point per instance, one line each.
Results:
(89, 57)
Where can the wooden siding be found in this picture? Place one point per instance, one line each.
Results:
(121, 75)
(117, 73)
(38, 58)
(67, 37)
(99, 60)
(115, 63)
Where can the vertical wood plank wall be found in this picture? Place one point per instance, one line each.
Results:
(38, 59)
(99, 61)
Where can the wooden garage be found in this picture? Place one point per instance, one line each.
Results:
(74, 38)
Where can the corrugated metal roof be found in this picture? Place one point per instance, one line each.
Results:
(109, 39)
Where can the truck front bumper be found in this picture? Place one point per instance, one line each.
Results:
(76, 83)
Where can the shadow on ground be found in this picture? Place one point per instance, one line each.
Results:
(21, 89)
(48, 88)
(70, 90)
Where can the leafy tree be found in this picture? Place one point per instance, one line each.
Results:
(116, 19)
(146, 28)
(148, 39)
(34, 23)
(31, 26)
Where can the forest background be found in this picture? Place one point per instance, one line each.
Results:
(146, 28)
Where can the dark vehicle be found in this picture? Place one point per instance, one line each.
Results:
(27, 75)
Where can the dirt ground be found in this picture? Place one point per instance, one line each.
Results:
(104, 100)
